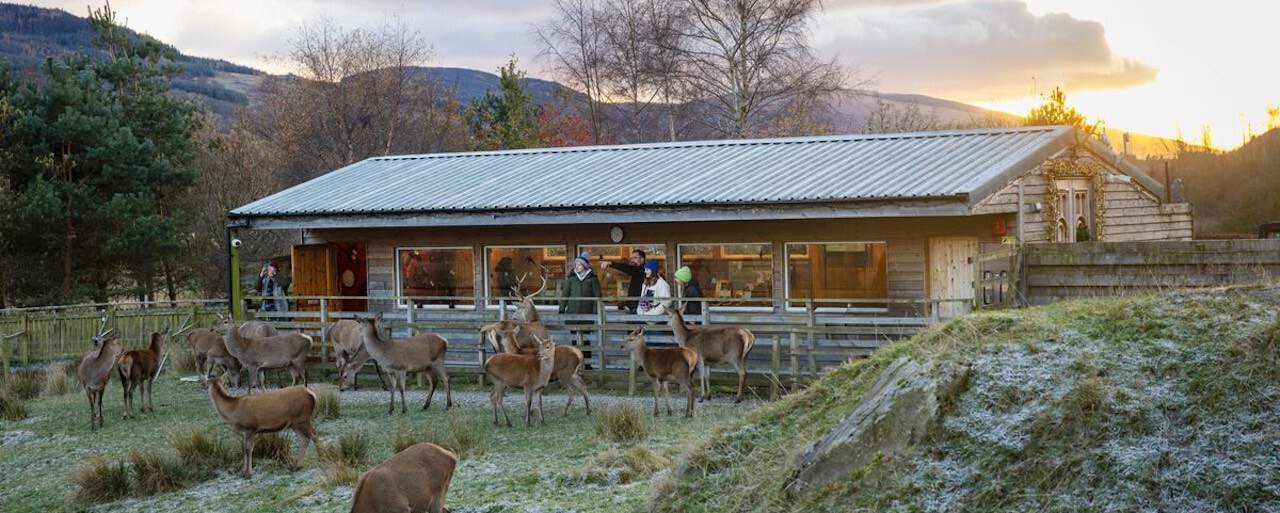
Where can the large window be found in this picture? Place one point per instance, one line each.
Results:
(507, 265)
(837, 270)
(435, 272)
(614, 284)
(731, 271)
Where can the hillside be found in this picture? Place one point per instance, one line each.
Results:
(1153, 403)
(1233, 192)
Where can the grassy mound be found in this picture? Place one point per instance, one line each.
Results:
(1153, 403)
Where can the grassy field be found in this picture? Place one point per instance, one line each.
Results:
(563, 466)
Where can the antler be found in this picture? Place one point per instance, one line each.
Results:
(182, 328)
(102, 331)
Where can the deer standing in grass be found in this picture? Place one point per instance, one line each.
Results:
(714, 344)
(413, 480)
(515, 337)
(270, 352)
(664, 365)
(349, 353)
(268, 412)
(517, 370)
(425, 352)
(210, 353)
(139, 367)
(94, 371)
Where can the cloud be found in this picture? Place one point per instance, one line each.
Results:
(976, 50)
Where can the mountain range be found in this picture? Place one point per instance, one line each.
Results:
(29, 35)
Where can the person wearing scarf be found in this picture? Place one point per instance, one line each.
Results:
(656, 292)
(581, 283)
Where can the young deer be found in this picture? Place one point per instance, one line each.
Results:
(211, 353)
(270, 352)
(349, 353)
(424, 352)
(714, 344)
(94, 371)
(512, 370)
(664, 365)
(137, 368)
(516, 337)
(415, 479)
(268, 412)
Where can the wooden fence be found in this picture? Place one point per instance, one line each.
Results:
(1054, 272)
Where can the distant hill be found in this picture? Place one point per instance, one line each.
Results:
(1233, 192)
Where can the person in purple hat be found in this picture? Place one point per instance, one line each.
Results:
(655, 293)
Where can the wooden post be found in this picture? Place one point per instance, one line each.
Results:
(502, 309)
(812, 323)
(775, 359)
(795, 362)
(813, 358)
(324, 333)
(26, 340)
(480, 350)
(411, 317)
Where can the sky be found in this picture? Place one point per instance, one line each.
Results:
(1161, 67)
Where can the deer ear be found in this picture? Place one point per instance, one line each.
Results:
(640, 331)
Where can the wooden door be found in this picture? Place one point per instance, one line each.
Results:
(352, 275)
(313, 274)
(951, 272)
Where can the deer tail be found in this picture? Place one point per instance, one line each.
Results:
(748, 341)
(126, 365)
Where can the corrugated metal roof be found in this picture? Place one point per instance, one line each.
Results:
(820, 169)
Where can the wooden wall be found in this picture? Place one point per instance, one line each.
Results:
(906, 239)
(1090, 269)
(1130, 212)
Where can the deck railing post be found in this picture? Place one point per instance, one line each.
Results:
(480, 357)
(602, 318)
(795, 362)
(775, 359)
(324, 333)
(812, 325)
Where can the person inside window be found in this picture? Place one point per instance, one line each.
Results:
(655, 293)
(505, 277)
(692, 291)
(634, 268)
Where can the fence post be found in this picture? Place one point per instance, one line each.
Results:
(812, 323)
(480, 360)
(324, 333)
(26, 340)
(775, 359)
(795, 362)
(602, 318)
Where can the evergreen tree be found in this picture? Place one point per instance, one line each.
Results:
(95, 155)
(1054, 111)
(507, 120)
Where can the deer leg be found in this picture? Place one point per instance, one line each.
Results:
(93, 412)
(403, 378)
(528, 404)
(246, 456)
(306, 433)
(705, 375)
(666, 395)
(582, 387)
(391, 400)
(656, 387)
(97, 404)
(378, 369)
(443, 376)
(202, 371)
(569, 388)
(542, 420)
(431, 377)
(686, 386)
(493, 401)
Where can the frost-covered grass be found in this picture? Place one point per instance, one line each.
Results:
(502, 469)
(1155, 403)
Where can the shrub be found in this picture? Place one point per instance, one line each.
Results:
(274, 446)
(156, 472)
(327, 406)
(622, 466)
(11, 407)
(100, 480)
(55, 381)
(197, 449)
(623, 423)
(24, 385)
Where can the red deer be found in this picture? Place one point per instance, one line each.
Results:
(714, 344)
(512, 370)
(349, 353)
(94, 371)
(425, 352)
(413, 480)
(270, 352)
(211, 353)
(268, 412)
(664, 365)
(516, 337)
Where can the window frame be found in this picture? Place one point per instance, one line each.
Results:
(709, 300)
(400, 301)
(489, 303)
(786, 278)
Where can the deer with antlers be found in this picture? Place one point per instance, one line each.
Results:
(139, 366)
(287, 350)
(424, 352)
(714, 344)
(94, 371)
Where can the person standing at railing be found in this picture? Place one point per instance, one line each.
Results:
(581, 283)
(692, 291)
(656, 293)
(271, 289)
(634, 268)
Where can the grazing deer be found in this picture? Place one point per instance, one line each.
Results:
(664, 365)
(271, 352)
(414, 480)
(511, 336)
(714, 344)
(210, 353)
(349, 353)
(512, 370)
(94, 371)
(425, 352)
(137, 368)
(268, 412)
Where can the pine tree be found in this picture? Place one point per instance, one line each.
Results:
(1054, 111)
(507, 120)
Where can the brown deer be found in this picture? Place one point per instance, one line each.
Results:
(349, 353)
(714, 344)
(516, 337)
(512, 370)
(271, 352)
(425, 352)
(211, 353)
(664, 365)
(94, 371)
(414, 480)
(268, 412)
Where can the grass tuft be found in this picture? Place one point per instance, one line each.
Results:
(183, 360)
(466, 438)
(623, 423)
(12, 407)
(352, 450)
(275, 447)
(56, 382)
(155, 472)
(24, 385)
(327, 406)
(197, 449)
(622, 466)
(101, 480)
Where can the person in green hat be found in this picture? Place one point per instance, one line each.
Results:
(689, 284)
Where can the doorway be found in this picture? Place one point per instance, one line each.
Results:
(951, 273)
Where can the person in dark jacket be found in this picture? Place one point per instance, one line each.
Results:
(581, 283)
(633, 268)
(692, 291)
(505, 275)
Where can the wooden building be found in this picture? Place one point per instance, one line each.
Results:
(764, 224)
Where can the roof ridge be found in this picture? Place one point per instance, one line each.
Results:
(706, 143)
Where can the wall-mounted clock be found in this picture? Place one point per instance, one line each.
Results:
(616, 234)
